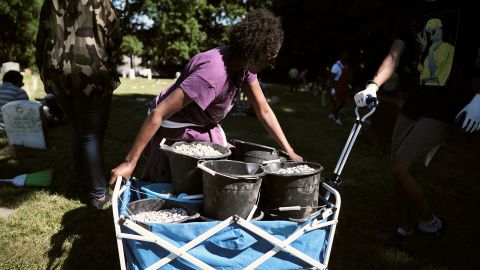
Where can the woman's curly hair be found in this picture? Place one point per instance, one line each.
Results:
(257, 37)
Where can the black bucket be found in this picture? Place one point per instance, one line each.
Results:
(186, 177)
(280, 190)
(257, 216)
(230, 188)
(155, 204)
(255, 153)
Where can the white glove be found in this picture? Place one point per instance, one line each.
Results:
(333, 92)
(361, 97)
(471, 122)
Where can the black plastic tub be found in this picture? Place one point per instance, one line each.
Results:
(284, 190)
(186, 177)
(255, 153)
(230, 188)
(258, 215)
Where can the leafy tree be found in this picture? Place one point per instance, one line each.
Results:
(131, 46)
(18, 30)
(172, 31)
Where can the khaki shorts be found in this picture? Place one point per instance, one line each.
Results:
(418, 140)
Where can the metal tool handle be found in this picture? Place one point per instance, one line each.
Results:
(359, 121)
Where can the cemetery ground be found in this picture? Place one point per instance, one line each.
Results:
(51, 229)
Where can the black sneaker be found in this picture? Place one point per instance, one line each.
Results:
(101, 203)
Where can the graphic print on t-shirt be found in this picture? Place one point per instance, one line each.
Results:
(436, 42)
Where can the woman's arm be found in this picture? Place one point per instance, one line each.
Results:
(267, 117)
(170, 105)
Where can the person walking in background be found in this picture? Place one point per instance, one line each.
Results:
(192, 108)
(302, 78)
(11, 90)
(293, 79)
(445, 38)
(75, 42)
(340, 79)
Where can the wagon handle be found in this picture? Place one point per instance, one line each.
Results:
(357, 126)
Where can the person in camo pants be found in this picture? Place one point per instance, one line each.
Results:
(75, 42)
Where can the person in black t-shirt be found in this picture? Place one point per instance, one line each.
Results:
(440, 39)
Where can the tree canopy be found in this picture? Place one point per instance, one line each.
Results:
(18, 30)
(172, 31)
(131, 46)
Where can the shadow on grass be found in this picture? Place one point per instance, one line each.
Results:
(91, 237)
(451, 184)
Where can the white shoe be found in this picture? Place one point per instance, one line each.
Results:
(338, 122)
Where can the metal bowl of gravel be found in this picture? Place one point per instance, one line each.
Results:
(291, 184)
(154, 210)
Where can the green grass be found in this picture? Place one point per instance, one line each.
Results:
(52, 230)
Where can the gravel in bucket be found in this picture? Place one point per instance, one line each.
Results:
(201, 150)
(154, 210)
(186, 178)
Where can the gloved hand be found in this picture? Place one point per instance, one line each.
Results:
(361, 97)
(333, 92)
(471, 122)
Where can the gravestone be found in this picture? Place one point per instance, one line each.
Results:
(23, 123)
(147, 73)
(131, 73)
(7, 66)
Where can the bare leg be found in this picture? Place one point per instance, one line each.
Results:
(409, 194)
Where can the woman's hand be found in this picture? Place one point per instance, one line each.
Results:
(124, 170)
(294, 156)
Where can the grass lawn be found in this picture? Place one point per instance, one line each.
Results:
(51, 230)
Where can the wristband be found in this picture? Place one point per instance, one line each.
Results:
(372, 82)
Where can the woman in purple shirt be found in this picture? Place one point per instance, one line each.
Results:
(194, 105)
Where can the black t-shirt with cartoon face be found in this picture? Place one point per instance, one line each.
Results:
(442, 39)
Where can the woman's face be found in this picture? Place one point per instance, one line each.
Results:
(261, 65)
(268, 62)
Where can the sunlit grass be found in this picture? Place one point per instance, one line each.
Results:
(51, 229)
(35, 89)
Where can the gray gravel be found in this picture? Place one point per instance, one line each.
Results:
(300, 169)
(161, 216)
(196, 150)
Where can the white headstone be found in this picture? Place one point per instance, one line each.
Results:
(23, 123)
(147, 73)
(131, 73)
(7, 66)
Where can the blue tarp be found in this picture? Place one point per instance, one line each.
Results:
(232, 248)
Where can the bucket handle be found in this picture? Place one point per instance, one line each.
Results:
(166, 147)
(265, 162)
(213, 173)
(184, 196)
